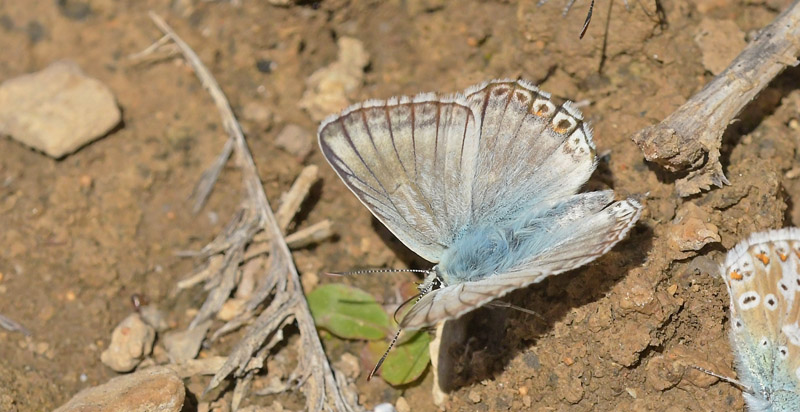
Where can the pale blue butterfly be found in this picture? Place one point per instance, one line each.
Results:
(762, 274)
(483, 184)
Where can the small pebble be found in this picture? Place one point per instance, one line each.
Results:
(349, 365)
(474, 396)
(328, 88)
(185, 345)
(295, 140)
(257, 113)
(131, 341)
(384, 407)
(402, 405)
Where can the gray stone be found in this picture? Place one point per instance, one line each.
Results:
(156, 389)
(184, 345)
(57, 110)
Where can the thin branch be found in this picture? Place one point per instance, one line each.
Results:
(321, 388)
(13, 326)
(689, 139)
(295, 196)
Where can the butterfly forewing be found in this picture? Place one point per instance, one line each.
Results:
(411, 162)
(533, 151)
(762, 275)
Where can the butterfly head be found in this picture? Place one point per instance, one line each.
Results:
(433, 281)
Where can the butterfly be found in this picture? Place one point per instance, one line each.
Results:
(762, 274)
(483, 184)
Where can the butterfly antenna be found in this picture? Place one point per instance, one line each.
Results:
(371, 271)
(588, 19)
(732, 381)
(385, 354)
(415, 298)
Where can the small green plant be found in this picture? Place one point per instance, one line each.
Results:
(351, 313)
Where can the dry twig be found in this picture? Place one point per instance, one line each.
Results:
(322, 389)
(689, 139)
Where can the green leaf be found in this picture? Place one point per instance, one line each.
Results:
(348, 312)
(408, 360)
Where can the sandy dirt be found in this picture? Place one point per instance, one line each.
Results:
(80, 235)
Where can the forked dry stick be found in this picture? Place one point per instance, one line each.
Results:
(322, 389)
(689, 139)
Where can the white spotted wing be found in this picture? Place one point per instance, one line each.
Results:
(762, 274)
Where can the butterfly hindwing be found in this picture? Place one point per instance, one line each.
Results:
(583, 235)
(762, 274)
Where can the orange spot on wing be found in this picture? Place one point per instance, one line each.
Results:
(763, 258)
(783, 257)
(736, 275)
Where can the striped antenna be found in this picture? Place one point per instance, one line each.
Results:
(371, 271)
(588, 19)
(732, 381)
(385, 354)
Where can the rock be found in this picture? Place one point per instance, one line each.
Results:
(720, 41)
(691, 229)
(663, 373)
(131, 341)
(570, 386)
(257, 113)
(328, 90)
(349, 366)
(153, 389)
(384, 407)
(474, 396)
(402, 405)
(185, 345)
(57, 110)
(295, 141)
(154, 317)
